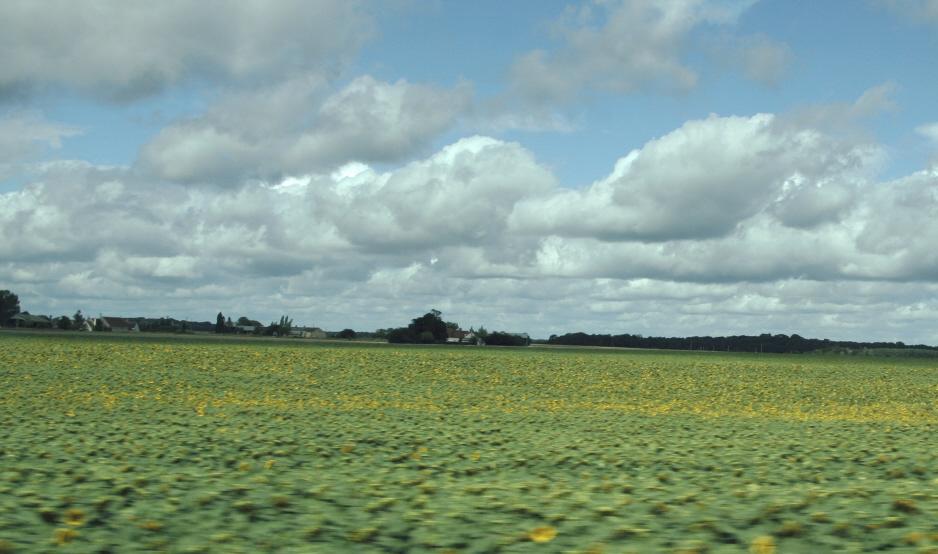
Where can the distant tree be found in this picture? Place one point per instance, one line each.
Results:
(428, 328)
(63, 323)
(279, 328)
(9, 306)
(506, 339)
(228, 325)
(401, 335)
(220, 323)
(433, 324)
(347, 334)
(99, 324)
(78, 320)
(766, 342)
(246, 322)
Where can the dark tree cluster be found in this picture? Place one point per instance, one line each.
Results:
(244, 321)
(166, 325)
(280, 328)
(498, 338)
(426, 329)
(738, 343)
(9, 307)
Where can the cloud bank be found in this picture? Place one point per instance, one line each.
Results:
(294, 127)
(741, 218)
(121, 51)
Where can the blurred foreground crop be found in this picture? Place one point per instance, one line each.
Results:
(126, 445)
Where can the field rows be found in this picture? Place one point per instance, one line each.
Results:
(127, 445)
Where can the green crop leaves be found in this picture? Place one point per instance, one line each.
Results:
(245, 446)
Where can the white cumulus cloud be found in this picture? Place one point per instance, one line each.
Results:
(295, 127)
(125, 50)
(704, 179)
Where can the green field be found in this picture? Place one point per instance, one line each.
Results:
(121, 444)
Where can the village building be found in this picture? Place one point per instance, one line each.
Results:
(455, 335)
(308, 333)
(29, 321)
(119, 324)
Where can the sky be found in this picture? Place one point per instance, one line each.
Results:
(672, 167)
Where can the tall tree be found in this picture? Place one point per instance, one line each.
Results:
(78, 320)
(9, 306)
(220, 323)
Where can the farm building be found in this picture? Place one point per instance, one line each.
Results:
(119, 324)
(308, 333)
(28, 321)
(455, 335)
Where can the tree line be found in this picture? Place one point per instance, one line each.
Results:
(245, 325)
(766, 342)
(430, 328)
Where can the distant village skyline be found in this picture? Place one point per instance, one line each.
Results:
(454, 333)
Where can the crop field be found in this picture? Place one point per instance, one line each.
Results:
(138, 444)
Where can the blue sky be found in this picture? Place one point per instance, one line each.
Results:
(839, 50)
(269, 158)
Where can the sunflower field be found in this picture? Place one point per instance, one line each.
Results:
(158, 444)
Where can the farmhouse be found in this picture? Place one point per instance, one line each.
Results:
(26, 320)
(308, 333)
(119, 324)
(455, 335)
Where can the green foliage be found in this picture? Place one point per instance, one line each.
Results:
(764, 343)
(249, 322)
(9, 306)
(279, 446)
(220, 326)
(63, 323)
(78, 320)
(428, 328)
(279, 328)
(347, 334)
(498, 338)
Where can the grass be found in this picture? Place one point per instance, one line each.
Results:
(135, 443)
